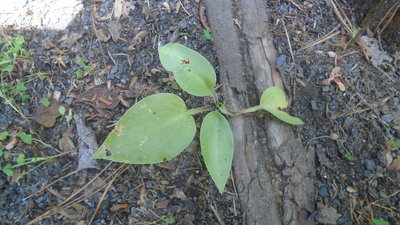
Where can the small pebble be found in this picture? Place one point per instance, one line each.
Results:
(370, 164)
(314, 105)
(323, 191)
(387, 118)
(281, 60)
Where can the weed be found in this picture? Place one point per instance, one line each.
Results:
(84, 70)
(159, 127)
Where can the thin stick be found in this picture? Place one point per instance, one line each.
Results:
(120, 170)
(288, 40)
(45, 187)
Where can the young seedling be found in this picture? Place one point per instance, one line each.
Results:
(159, 127)
(84, 70)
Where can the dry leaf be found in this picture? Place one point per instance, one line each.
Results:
(115, 30)
(65, 143)
(47, 116)
(162, 204)
(71, 40)
(395, 165)
(100, 18)
(179, 194)
(339, 83)
(117, 207)
(101, 36)
(47, 44)
(167, 7)
(138, 38)
(101, 97)
(13, 141)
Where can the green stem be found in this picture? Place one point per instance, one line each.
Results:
(225, 111)
(200, 110)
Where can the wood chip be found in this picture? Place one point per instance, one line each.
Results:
(203, 20)
(117, 207)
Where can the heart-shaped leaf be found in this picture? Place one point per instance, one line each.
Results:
(154, 130)
(216, 141)
(192, 71)
(274, 99)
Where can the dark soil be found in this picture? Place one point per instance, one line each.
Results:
(349, 130)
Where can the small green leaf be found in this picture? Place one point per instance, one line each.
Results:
(1, 152)
(24, 97)
(380, 222)
(394, 144)
(216, 141)
(4, 135)
(207, 34)
(68, 117)
(27, 138)
(192, 71)
(168, 219)
(62, 110)
(79, 73)
(8, 170)
(154, 130)
(45, 102)
(274, 99)
(349, 157)
(21, 159)
(21, 86)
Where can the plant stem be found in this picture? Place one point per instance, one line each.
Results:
(225, 111)
(200, 110)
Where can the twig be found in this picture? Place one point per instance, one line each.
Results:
(328, 36)
(288, 40)
(120, 170)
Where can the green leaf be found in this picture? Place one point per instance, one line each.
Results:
(394, 144)
(216, 141)
(45, 102)
(1, 152)
(274, 99)
(168, 219)
(349, 157)
(24, 97)
(21, 159)
(21, 86)
(4, 135)
(8, 170)
(283, 116)
(61, 110)
(154, 130)
(207, 34)
(79, 73)
(192, 71)
(27, 138)
(380, 222)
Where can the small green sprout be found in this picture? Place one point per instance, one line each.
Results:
(26, 138)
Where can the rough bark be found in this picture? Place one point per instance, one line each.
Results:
(274, 174)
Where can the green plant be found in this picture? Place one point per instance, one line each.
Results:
(379, 222)
(168, 219)
(159, 127)
(207, 34)
(13, 50)
(84, 70)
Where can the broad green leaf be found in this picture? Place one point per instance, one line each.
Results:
(27, 138)
(8, 170)
(380, 222)
(274, 99)
(192, 71)
(154, 130)
(216, 141)
(283, 116)
(4, 135)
